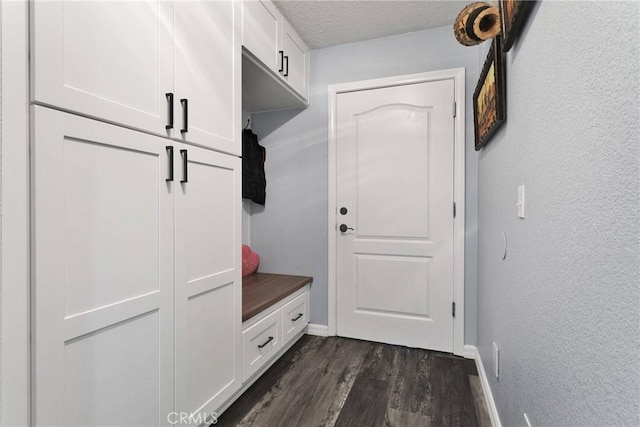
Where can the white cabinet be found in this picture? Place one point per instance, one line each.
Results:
(137, 285)
(103, 226)
(207, 74)
(296, 64)
(169, 68)
(262, 32)
(276, 60)
(261, 341)
(208, 287)
(267, 335)
(110, 60)
(295, 316)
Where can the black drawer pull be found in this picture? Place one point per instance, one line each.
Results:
(266, 342)
(185, 165)
(281, 52)
(170, 101)
(286, 71)
(185, 115)
(297, 317)
(170, 155)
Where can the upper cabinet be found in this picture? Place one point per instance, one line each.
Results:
(262, 32)
(275, 60)
(169, 68)
(207, 73)
(296, 64)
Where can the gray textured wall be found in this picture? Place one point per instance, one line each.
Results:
(564, 305)
(290, 233)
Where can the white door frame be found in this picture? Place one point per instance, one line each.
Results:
(458, 77)
(15, 215)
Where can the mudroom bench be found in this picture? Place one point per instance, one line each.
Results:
(275, 313)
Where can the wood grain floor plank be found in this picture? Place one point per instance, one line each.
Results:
(366, 404)
(344, 382)
(411, 388)
(368, 399)
(452, 399)
(482, 413)
(398, 418)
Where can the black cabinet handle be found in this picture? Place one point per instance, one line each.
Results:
(286, 73)
(185, 165)
(297, 317)
(169, 97)
(185, 115)
(170, 154)
(266, 342)
(281, 52)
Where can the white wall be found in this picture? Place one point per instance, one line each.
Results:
(564, 305)
(290, 232)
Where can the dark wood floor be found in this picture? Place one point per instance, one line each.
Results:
(344, 382)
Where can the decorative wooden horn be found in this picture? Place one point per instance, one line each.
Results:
(476, 23)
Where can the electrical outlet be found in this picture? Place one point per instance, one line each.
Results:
(526, 418)
(496, 360)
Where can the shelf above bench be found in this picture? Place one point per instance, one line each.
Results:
(261, 290)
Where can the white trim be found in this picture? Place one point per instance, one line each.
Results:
(318, 330)
(469, 351)
(458, 76)
(15, 214)
(332, 190)
(486, 389)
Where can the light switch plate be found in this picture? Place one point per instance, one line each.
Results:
(520, 203)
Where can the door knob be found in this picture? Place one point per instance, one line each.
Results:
(344, 228)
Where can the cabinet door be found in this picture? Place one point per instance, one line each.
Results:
(104, 59)
(207, 73)
(208, 280)
(296, 64)
(262, 32)
(103, 274)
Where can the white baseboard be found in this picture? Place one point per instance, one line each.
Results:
(471, 352)
(318, 330)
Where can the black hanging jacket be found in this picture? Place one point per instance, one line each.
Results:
(254, 182)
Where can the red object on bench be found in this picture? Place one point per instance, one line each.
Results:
(250, 261)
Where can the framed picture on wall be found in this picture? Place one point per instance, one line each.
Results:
(489, 98)
(513, 15)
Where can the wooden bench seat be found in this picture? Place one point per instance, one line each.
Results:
(262, 290)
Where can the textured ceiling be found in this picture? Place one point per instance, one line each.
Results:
(323, 23)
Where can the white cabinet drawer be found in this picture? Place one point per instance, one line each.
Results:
(295, 316)
(261, 341)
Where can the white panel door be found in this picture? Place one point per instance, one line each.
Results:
(296, 61)
(207, 73)
(103, 274)
(262, 31)
(395, 179)
(112, 60)
(208, 280)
